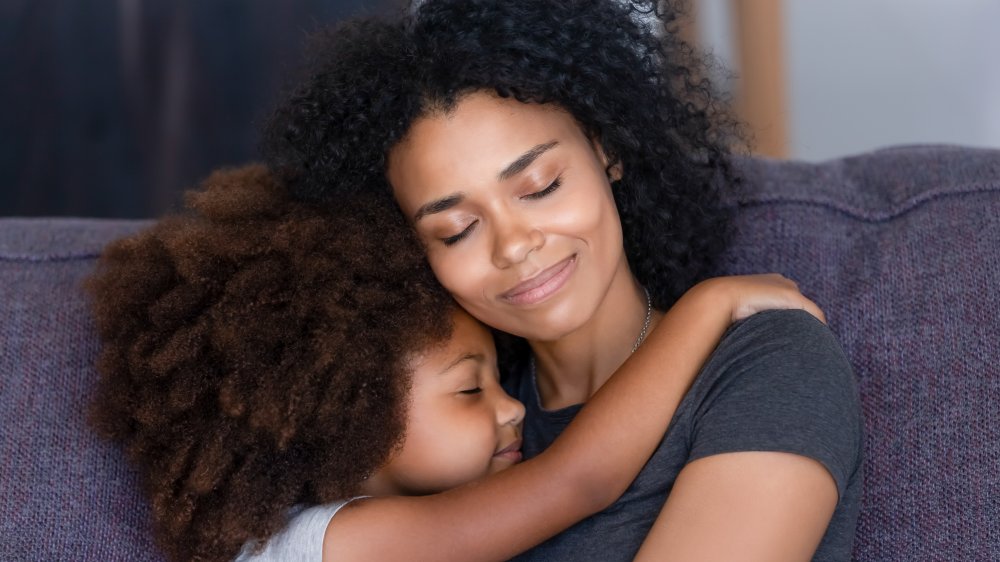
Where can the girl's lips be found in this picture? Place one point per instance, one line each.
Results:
(511, 452)
(512, 456)
(542, 285)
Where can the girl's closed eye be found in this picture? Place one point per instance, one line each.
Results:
(469, 382)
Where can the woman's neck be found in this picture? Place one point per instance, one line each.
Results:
(570, 370)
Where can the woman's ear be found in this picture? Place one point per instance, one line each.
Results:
(613, 169)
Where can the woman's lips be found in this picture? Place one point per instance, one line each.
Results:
(511, 452)
(542, 285)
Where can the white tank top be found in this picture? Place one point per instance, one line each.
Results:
(301, 540)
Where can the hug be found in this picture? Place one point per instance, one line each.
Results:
(472, 308)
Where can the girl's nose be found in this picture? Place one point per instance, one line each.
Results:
(509, 410)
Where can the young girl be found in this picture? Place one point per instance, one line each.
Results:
(266, 363)
(562, 162)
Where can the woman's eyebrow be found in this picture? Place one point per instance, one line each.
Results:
(525, 160)
(438, 205)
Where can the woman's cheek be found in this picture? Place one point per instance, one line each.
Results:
(459, 270)
(584, 214)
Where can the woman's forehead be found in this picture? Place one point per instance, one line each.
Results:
(478, 139)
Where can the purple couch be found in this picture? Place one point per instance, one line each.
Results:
(901, 247)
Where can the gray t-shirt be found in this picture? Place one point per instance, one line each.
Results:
(778, 381)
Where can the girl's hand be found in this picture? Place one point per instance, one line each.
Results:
(747, 295)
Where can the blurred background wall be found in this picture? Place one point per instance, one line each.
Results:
(112, 108)
(852, 75)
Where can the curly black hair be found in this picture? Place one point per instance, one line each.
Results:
(254, 355)
(620, 68)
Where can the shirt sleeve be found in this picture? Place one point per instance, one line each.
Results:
(300, 541)
(784, 385)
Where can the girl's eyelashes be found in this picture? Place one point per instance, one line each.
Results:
(556, 183)
(474, 390)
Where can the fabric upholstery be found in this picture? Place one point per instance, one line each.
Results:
(900, 247)
(64, 493)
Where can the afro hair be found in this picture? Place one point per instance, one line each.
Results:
(254, 355)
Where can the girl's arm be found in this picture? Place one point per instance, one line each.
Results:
(511, 511)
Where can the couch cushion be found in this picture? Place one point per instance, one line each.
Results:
(901, 248)
(64, 493)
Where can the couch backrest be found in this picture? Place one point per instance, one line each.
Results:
(64, 493)
(900, 247)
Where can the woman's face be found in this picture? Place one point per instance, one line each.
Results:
(514, 206)
(460, 424)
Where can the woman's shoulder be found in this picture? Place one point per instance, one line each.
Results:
(786, 326)
(782, 342)
(780, 354)
(779, 381)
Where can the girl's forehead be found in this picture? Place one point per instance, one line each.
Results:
(469, 346)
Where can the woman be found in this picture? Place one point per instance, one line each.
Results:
(561, 163)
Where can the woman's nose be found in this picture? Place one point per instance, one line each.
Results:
(514, 239)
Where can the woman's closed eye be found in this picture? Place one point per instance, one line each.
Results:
(545, 192)
(455, 238)
(471, 390)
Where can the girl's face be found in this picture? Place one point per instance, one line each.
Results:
(461, 425)
(514, 206)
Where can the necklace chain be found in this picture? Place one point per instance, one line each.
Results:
(638, 340)
(645, 323)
